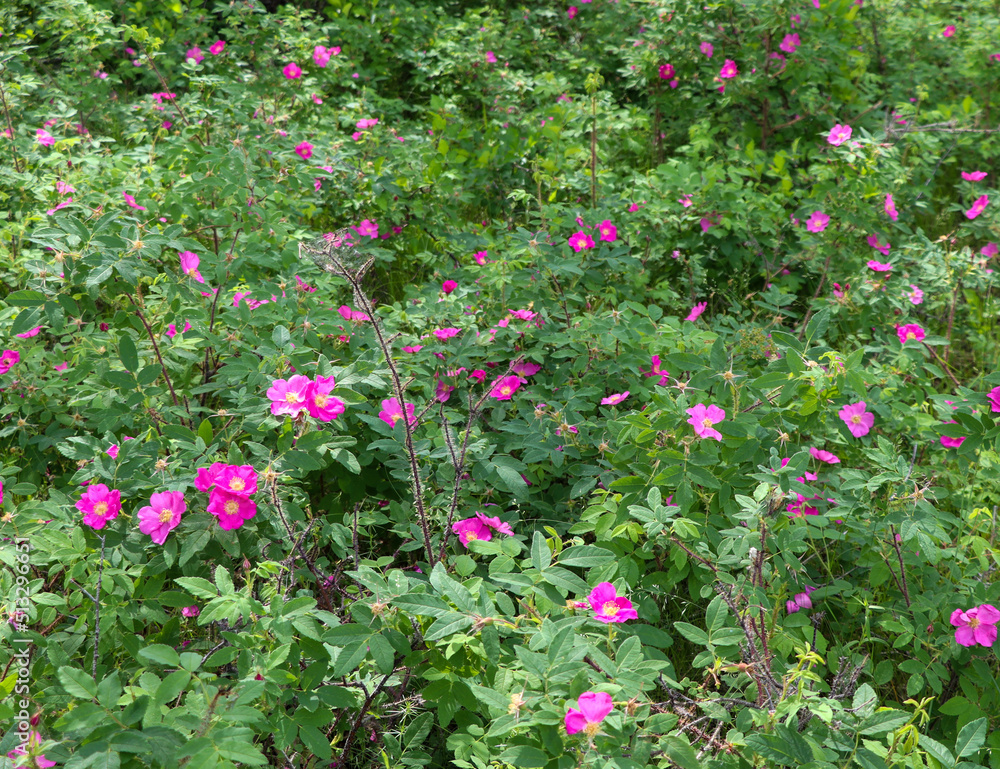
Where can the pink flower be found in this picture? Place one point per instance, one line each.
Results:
(217, 47)
(800, 601)
(131, 202)
(491, 57)
(356, 315)
(289, 396)
(64, 189)
(728, 70)
(207, 476)
(495, 524)
(8, 359)
(685, 200)
(190, 611)
(974, 176)
(448, 286)
(976, 626)
(240, 480)
(321, 55)
(189, 265)
(608, 606)
(321, 404)
(392, 413)
(61, 366)
(366, 123)
(817, 222)
(990, 249)
(879, 266)
(195, 54)
(113, 451)
(702, 419)
(790, 43)
(824, 456)
(99, 505)
(655, 370)
(696, 311)
(472, 529)
(413, 348)
(580, 240)
(916, 296)
(910, 331)
(839, 134)
(951, 443)
(30, 749)
(858, 420)
(292, 71)
(478, 375)
(443, 334)
(367, 227)
(63, 204)
(978, 207)
(890, 208)
(505, 387)
(162, 515)
(28, 334)
(614, 400)
(572, 11)
(608, 231)
(594, 708)
(666, 72)
(232, 510)
(882, 249)
(707, 49)
(481, 257)
(994, 398)
(949, 30)
(45, 138)
(304, 150)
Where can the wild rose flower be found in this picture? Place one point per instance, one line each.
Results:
(481, 257)
(355, 315)
(702, 419)
(162, 515)
(614, 400)
(800, 509)
(858, 420)
(666, 72)
(594, 708)
(8, 359)
(495, 524)
(240, 480)
(976, 626)
(696, 311)
(994, 398)
(505, 388)
(990, 249)
(790, 43)
(608, 606)
(189, 265)
(824, 456)
(367, 228)
(443, 334)
(800, 601)
(366, 123)
(608, 231)
(916, 296)
(707, 49)
(132, 203)
(392, 413)
(879, 266)
(978, 207)
(304, 150)
(523, 314)
(30, 333)
(491, 57)
(472, 529)
(217, 47)
(413, 348)
(974, 176)
(321, 55)
(232, 510)
(190, 611)
(99, 504)
(910, 331)
(172, 329)
(321, 404)
(63, 188)
(817, 222)
(655, 370)
(839, 134)
(890, 208)
(292, 71)
(448, 286)
(951, 443)
(949, 31)
(194, 54)
(207, 476)
(289, 396)
(62, 205)
(478, 376)
(685, 200)
(729, 70)
(572, 11)
(27, 754)
(580, 240)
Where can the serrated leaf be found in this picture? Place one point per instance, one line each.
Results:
(77, 683)
(25, 298)
(161, 654)
(541, 556)
(691, 632)
(935, 749)
(197, 586)
(127, 353)
(585, 556)
(524, 757)
(971, 738)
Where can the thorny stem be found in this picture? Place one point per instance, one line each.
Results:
(97, 610)
(361, 716)
(593, 152)
(10, 127)
(944, 363)
(276, 502)
(159, 357)
(902, 569)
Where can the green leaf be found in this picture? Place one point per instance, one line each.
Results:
(382, 652)
(681, 753)
(715, 615)
(25, 298)
(785, 747)
(418, 730)
(692, 633)
(77, 683)
(161, 654)
(25, 321)
(585, 556)
(524, 757)
(971, 738)
(280, 336)
(541, 556)
(205, 431)
(512, 480)
(171, 686)
(936, 750)
(127, 353)
(197, 586)
(316, 741)
(223, 580)
(448, 625)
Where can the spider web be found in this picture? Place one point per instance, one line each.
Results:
(337, 253)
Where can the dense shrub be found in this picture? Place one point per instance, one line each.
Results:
(416, 384)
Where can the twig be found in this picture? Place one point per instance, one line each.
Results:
(902, 568)
(159, 357)
(703, 561)
(97, 610)
(10, 128)
(943, 363)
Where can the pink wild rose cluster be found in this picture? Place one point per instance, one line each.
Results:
(976, 626)
(229, 490)
(480, 528)
(800, 601)
(300, 394)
